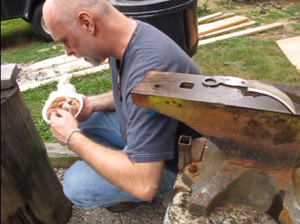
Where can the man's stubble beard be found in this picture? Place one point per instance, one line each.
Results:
(94, 58)
(94, 62)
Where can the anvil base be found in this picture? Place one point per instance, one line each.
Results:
(225, 189)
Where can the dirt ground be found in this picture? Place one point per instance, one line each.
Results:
(9, 48)
(245, 5)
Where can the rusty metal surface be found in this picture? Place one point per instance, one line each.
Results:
(197, 149)
(177, 212)
(190, 150)
(296, 184)
(254, 159)
(251, 86)
(217, 182)
(184, 150)
(190, 87)
(259, 130)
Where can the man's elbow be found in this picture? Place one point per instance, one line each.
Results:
(147, 180)
(147, 193)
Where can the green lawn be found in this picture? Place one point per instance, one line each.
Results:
(14, 31)
(17, 31)
(34, 52)
(249, 58)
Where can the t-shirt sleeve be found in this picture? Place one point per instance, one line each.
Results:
(149, 138)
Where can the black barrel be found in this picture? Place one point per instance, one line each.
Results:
(176, 18)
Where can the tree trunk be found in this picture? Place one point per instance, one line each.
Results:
(30, 190)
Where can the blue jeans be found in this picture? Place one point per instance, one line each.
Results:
(86, 188)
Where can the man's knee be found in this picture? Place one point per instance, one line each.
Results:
(74, 181)
(70, 190)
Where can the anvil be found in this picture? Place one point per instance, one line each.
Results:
(253, 153)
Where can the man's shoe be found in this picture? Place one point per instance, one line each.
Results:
(123, 206)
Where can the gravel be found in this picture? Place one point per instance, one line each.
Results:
(226, 214)
(146, 212)
(160, 211)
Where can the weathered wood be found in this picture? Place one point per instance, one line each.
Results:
(79, 73)
(30, 191)
(70, 67)
(58, 62)
(242, 33)
(62, 59)
(214, 26)
(9, 75)
(226, 30)
(291, 48)
(220, 17)
(206, 18)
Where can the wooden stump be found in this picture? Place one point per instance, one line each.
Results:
(30, 190)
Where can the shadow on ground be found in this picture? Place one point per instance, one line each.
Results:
(17, 39)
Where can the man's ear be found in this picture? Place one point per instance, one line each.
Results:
(86, 21)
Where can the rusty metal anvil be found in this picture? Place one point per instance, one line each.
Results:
(253, 156)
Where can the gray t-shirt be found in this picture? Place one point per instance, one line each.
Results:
(148, 138)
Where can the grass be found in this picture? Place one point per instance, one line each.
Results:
(90, 84)
(227, 5)
(269, 17)
(15, 31)
(203, 10)
(33, 53)
(296, 27)
(292, 12)
(288, 13)
(245, 59)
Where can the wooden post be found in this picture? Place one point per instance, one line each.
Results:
(30, 190)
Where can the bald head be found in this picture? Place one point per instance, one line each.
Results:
(77, 5)
(88, 28)
(66, 11)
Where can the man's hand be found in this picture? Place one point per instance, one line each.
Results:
(87, 109)
(91, 104)
(62, 123)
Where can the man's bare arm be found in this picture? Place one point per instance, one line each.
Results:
(102, 102)
(140, 179)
